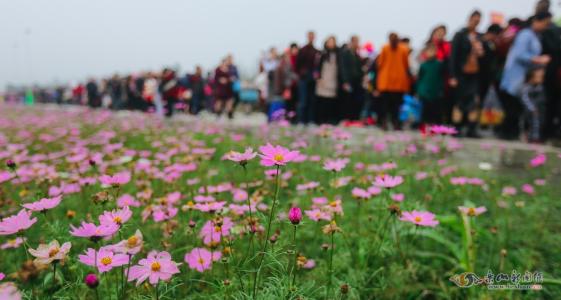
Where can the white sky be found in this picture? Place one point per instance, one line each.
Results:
(74, 39)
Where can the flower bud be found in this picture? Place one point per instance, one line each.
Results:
(11, 164)
(91, 280)
(295, 215)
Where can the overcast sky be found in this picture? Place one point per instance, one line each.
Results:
(46, 41)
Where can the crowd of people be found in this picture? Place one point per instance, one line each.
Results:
(508, 76)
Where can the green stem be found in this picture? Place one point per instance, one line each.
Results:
(328, 291)
(266, 243)
(470, 246)
(293, 270)
(54, 274)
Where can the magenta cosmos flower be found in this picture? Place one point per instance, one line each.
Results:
(276, 155)
(118, 217)
(157, 266)
(43, 204)
(16, 223)
(45, 254)
(295, 215)
(442, 130)
(538, 160)
(241, 158)
(420, 218)
(107, 259)
(387, 181)
(335, 165)
(90, 230)
(201, 259)
(472, 211)
(116, 180)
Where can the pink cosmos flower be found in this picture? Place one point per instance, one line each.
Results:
(9, 291)
(472, 211)
(118, 217)
(16, 223)
(374, 190)
(442, 130)
(241, 158)
(276, 155)
(2, 276)
(387, 181)
(157, 266)
(211, 233)
(509, 191)
(127, 200)
(360, 193)
(538, 160)
(421, 175)
(398, 197)
(120, 178)
(335, 165)
(420, 218)
(45, 254)
(90, 230)
(43, 204)
(13, 243)
(130, 246)
(107, 259)
(528, 189)
(201, 259)
(317, 214)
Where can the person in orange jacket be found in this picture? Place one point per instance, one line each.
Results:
(393, 80)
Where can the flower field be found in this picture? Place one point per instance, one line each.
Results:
(103, 206)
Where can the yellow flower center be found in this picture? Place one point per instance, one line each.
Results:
(12, 242)
(132, 241)
(278, 157)
(418, 219)
(201, 261)
(117, 220)
(190, 204)
(333, 204)
(106, 261)
(53, 251)
(217, 229)
(471, 211)
(155, 266)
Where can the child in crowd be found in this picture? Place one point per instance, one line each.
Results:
(533, 99)
(430, 86)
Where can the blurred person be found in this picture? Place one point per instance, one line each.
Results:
(393, 80)
(292, 93)
(196, 83)
(170, 91)
(430, 86)
(223, 90)
(305, 65)
(525, 53)
(236, 83)
(489, 63)
(352, 77)
(151, 92)
(280, 84)
(465, 68)
(92, 92)
(328, 83)
(551, 46)
(532, 95)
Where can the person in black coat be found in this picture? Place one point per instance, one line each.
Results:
(551, 45)
(467, 50)
(352, 74)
